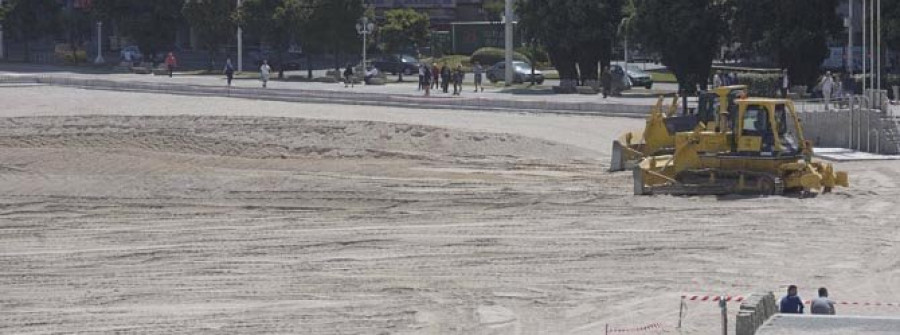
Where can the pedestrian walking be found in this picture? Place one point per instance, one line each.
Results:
(733, 79)
(785, 82)
(436, 76)
(171, 63)
(264, 72)
(822, 305)
(605, 81)
(479, 73)
(445, 78)
(458, 77)
(827, 84)
(348, 76)
(426, 76)
(229, 71)
(791, 303)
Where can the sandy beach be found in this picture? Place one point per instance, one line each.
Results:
(147, 213)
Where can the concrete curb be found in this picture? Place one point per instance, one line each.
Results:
(349, 98)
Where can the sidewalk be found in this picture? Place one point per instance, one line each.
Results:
(518, 98)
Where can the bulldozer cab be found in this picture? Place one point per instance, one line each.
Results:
(767, 127)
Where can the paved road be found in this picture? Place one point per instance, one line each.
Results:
(516, 93)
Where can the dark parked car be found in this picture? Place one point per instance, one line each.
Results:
(521, 73)
(638, 77)
(396, 64)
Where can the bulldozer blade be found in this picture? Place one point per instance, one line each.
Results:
(617, 163)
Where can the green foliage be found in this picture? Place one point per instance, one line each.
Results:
(687, 34)
(404, 28)
(77, 25)
(573, 32)
(151, 24)
(212, 21)
(279, 23)
(760, 84)
(493, 10)
(31, 19)
(891, 26)
(534, 52)
(490, 56)
(792, 34)
(332, 26)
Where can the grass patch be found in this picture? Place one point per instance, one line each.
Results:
(663, 77)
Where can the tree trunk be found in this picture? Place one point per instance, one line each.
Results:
(566, 66)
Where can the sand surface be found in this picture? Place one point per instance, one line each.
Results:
(142, 213)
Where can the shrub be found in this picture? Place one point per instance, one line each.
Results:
(490, 56)
(760, 85)
(888, 81)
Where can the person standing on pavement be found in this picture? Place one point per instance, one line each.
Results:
(171, 63)
(785, 82)
(791, 303)
(458, 77)
(827, 84)
(426, 77)
(605, 81)
(229, 71)
(445, 78)
(717, 79)
(264, 72)
(348, 76)
(479, 72)
(822, 305)
(436, 76)
(421, 76)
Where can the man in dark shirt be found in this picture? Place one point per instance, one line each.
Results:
(791, 303)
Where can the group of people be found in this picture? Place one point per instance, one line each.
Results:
(793, 304)
(724, 79)
(441, 77)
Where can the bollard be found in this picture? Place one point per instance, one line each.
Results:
(724, 305)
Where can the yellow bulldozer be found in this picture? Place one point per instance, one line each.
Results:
(658, 135)
(756, 147)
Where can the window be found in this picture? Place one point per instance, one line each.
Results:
(755, 120)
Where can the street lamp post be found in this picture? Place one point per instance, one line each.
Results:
(99, 59)
(364, 28)
(2, 50)
(240, 44)
(508, 16)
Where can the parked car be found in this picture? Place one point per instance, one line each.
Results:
(396, 64)
(521, 73)
(638, 77)
(131, 53)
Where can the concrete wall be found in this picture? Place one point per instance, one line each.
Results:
(754, 312)
(864, 130)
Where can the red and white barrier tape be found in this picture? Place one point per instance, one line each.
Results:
(713, 298)
(636, 329)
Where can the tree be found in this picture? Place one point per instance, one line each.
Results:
(795, 34)
(577, 34)
(891, 26)
(30, 20)
(332, 28)
(404, 28)
(687, 34)
(212, 21)
(151, 24)
(77, 25)
(278, 23)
